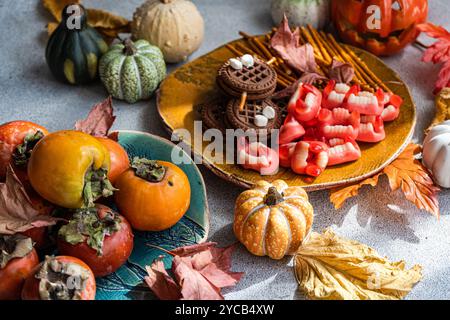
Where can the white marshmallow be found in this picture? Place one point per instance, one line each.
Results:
(269, 112)
(247, 60)
(235, 64)
(261, 121)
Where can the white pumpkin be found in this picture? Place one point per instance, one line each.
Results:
(436, 153)
(302, 12)
(175, 26)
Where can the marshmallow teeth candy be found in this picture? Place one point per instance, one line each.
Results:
(364, 103)
(269, 112)
(261, 121)
(248, 61)
(235, 64)
(341, 88)
(343, 152)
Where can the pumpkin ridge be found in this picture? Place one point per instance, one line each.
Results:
(122, 62)
(150, 64)
(138, 77)
(288, 228)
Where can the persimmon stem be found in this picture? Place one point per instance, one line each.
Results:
(162, 249)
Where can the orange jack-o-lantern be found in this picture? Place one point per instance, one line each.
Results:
(382, 27)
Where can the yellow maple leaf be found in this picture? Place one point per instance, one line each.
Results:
(329, 267)
(405, 173)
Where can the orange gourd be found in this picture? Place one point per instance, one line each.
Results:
(273, 219)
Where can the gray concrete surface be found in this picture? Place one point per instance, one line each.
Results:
(378, 217)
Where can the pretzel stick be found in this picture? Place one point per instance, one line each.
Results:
(311, 41)
(322, 49)
(345, 57)
(243, 101)
(364, 66)
(234, 50)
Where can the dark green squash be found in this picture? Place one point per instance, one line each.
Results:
(73, 51)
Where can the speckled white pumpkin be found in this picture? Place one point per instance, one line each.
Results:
(132, 71)
(175, 26)
(436, 153)
(302, 12)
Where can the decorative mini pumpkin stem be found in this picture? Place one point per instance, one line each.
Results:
(130, 49)
(273, 197)
(149, 170)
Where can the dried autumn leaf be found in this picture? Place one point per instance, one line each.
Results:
(55, 7)
(408, 174)
(341, 72)
(103, 19)
(161, 283)
(338, 196)
(200, 270)
(107, 23)
(405, 173)
(439, 52)
(329, 267)
(17, 213)
(287, 44)
(99, 120)
(442, 107)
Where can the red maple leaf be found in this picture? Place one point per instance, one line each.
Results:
(439, 52)
(200, 272)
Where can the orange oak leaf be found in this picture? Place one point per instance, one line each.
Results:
(405, 173)
(338, 196)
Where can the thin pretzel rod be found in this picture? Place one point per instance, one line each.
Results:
(243, 101)
(358, 71)
(234, 50)
(272, 61)
(364, 66)
(311, 41)
(322, 49)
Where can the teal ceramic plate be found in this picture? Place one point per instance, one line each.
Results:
(127, 283)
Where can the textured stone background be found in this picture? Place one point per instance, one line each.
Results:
(377, 217)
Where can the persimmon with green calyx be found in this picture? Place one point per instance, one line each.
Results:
(60, 278)
(70, 168)
(118, 156)
(100, 237)
(17, 139)
(153, 195)
(18, 259)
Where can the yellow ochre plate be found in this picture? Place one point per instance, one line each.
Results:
(194, 83)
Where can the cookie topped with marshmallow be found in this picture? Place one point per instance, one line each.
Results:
(247, 74)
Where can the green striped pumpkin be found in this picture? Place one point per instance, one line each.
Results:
(73, 51)
(132, 71)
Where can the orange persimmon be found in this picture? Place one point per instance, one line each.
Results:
(153, 195)
(118, 156)
(14, 134)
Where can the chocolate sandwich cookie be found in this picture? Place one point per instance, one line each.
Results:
(213, 115)
(259, 80)
(262, 116)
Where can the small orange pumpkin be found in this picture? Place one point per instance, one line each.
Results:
(273, 219)
(382, 27)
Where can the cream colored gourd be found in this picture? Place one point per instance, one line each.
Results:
(273, 219)
(175, 26)
(436, 153)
